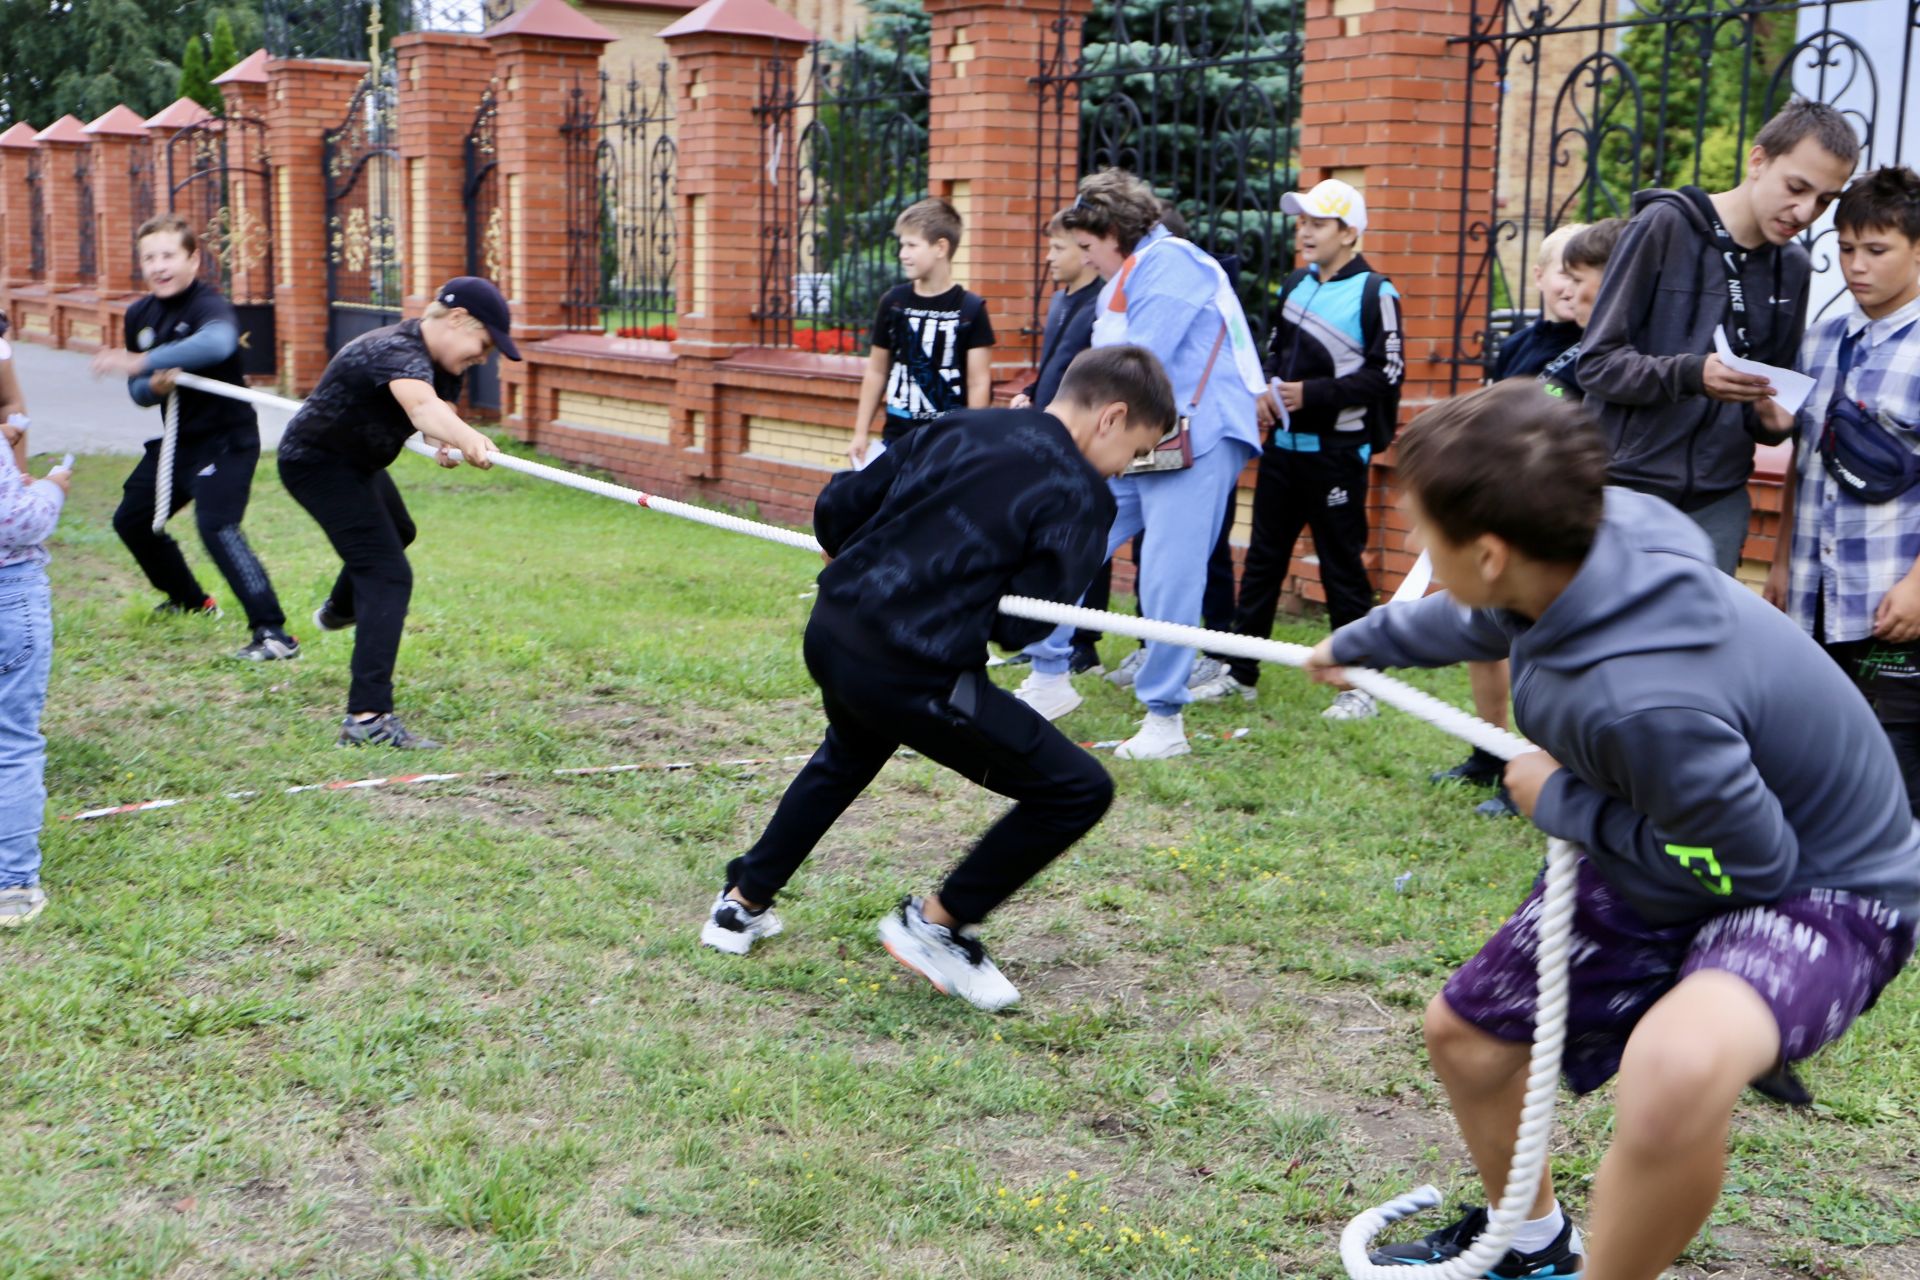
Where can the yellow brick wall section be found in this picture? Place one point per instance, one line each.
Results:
(283, 202)
(84, 331)
(515, 221)
(37, 322)
(697, 421)
(806, 443)
(702, 254)
(417, 221)
(606, 413)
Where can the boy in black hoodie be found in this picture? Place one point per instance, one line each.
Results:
(1680, 424)
(920, 546)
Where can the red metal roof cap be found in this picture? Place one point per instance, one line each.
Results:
(123, 119)
(251, 69)
(66, 129)
(555, 18)
(740, 18)
(179, 114)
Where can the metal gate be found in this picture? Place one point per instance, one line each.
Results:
(140, 184)
(218, 179)
(1586, 103)
(486, 234)
(1199, 99)
(84, 233)
(37, 215)
(360, 165)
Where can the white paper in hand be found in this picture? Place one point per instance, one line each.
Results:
(874, 449)
(1792, 388)
(1286, 419)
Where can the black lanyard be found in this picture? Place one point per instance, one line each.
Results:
(1560, 362)
(1735, 260)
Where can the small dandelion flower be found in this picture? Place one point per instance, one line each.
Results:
(1073, 1175)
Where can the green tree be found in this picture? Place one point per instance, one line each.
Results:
(194, 82)
(223, 53)
(58, 57)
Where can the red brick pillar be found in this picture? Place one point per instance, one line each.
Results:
(1383, 107)
(115, 136)
(17, 149)
(981, 116)
(244, 86)
(442, 78)
(61, 144)
(724, 54)
(541, 54)
(305, 98)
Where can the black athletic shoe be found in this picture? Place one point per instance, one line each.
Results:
(1481, 769)
(383, 731)
(208, 608)
(269, 645)
(1501, 806)
(1559, 1259)
(1084, 661)
(327, 620)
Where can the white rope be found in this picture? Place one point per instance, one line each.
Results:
(163, 478)
(1555, 927)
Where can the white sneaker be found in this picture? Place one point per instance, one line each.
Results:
(1205, 670)
(19, 905)
(1351, 705)
(1122, 675)
(1160, 738)
(731, 928)
(1222, 686)
(1052, 696)
(955, 963)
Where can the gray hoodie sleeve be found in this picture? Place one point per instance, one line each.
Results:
(1611, 367)
(1694, 816)
(1433, 632)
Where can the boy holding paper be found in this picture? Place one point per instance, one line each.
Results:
(1680, 423)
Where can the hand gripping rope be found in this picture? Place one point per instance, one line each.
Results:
(1556, 921)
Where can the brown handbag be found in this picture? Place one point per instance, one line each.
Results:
(1174, 452)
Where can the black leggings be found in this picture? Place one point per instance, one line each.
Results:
(368, 525)
(973, 727)
(215, 475)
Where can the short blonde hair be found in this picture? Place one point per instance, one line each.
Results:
(1555, 245)
(438, 310)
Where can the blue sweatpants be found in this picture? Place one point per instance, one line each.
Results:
(1180, 512)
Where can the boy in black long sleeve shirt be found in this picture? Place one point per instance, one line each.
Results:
(921, 546)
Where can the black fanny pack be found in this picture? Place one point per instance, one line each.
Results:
(1869, 457)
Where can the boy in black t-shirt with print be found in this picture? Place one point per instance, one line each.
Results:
(931, 337)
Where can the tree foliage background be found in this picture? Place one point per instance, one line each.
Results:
(84, 56)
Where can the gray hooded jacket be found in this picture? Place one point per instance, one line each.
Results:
(1646, 348)
(1715, 756)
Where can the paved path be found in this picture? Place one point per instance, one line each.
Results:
(73, 412)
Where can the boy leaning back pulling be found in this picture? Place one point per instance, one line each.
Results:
(1751, 871)
(921, 545)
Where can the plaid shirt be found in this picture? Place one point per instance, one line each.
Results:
(1848, 554)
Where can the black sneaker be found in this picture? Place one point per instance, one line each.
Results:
(208, 608)
(1501, 806)
(1084, 661)
(327, 619)
(269, 645)
(1561, 1258)
(1481, 769)
(384, 730)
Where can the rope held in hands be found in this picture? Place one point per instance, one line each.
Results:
(1556, 921)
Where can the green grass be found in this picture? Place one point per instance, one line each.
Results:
(466, 1030)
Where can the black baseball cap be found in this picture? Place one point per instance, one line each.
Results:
(484, 303)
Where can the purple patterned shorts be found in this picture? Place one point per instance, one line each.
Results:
(1819, 959)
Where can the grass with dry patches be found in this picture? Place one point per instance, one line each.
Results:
(467, 1031)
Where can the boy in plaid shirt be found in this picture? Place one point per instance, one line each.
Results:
(1853, 576)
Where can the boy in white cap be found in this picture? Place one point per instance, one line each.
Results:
(1333, 353)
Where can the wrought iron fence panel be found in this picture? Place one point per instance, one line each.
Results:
(1587, 102)
(89, 263)
(140, 187)
(843, 150)
(218, 179)
(1201, 99)
(360, 163)
(341, 28)
(622, 238)
(37, 216)
(486, 230)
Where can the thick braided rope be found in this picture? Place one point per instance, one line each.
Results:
(1555, 926)
(163, 479)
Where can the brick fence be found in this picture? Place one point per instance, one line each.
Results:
(709, 413)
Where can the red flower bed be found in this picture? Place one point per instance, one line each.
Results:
(659, 332)
(828, 341)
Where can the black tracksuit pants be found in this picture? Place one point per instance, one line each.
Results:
(968, 724)
(369, 527)
(1327, 493)
(215, 474)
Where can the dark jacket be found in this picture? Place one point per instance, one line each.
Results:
(1340, 340)
(1069, 331)
(1715, 757)
(975, 505)
(195, 330)
(1526, 353)
(1646, 347)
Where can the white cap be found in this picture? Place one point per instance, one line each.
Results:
(1330, 199)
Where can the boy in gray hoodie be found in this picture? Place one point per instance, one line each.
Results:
(1751, 870)
(1681, 425)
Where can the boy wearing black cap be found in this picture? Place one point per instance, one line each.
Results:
(380, 389)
